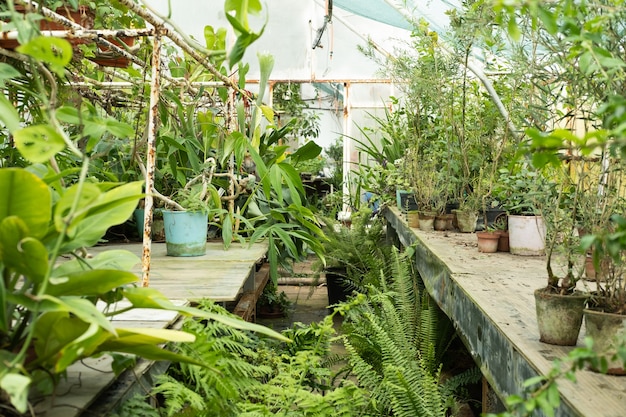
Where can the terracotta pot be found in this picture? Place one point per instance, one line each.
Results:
(488, 241)
(108, 58)
(83, 16)
(443, 222)
(503, 242)
(590, 272)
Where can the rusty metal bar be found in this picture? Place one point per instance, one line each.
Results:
(178, 39)
(153, 119)
(76, 27)
(86, 33)
(347, 147)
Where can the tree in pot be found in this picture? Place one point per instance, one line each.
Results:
(605, 315)
(559, 305)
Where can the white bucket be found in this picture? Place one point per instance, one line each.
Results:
(527, 235)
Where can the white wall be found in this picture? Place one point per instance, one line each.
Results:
(291, 27)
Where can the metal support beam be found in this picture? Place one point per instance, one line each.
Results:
(153, 120)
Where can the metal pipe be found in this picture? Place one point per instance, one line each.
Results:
(347, 144)
(153, 120)
(85, 33)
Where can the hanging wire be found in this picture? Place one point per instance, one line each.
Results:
(317, 43)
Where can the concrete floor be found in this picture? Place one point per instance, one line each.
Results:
(306, 289)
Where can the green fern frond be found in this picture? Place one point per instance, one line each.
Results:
(178, 396)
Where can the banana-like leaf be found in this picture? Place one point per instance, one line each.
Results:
(149, 352)
(119, 259)
(26, 255)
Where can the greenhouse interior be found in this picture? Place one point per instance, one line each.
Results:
(312, 208)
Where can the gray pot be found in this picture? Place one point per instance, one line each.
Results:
(559, 317)
(606, 329)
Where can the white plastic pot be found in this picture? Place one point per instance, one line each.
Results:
(527, 235)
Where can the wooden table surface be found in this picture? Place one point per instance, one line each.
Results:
(218, 275)
(489, 298)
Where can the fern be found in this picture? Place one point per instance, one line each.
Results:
(179, 397)
(395, 339)
(136, 406)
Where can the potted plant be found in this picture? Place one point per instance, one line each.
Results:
(425, 182)
(605, 315)
(520, 191)
(272, 303)
(559, 305)
(186, 217)
(354, 256)
(603, 241)
(470, 203)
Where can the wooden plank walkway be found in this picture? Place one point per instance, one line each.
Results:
(221, 275)
(489, 298)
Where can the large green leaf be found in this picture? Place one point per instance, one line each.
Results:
(53, 331)
(91, 282)
(82, 346)
(38, 143)
(97, 212)
(55, 52)
(148, 352)
(306, 152)
(93, 123)
(112, 259)
(8, 72)
(26, 255)
(5, 316)
(8, 115)
(79, 307)
(24, 195)
(147, 336)
(16, 386)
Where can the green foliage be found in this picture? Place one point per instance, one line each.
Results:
(56, 306)
(360, 249)
(244, 375)
(396, 338)
(542, 392)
